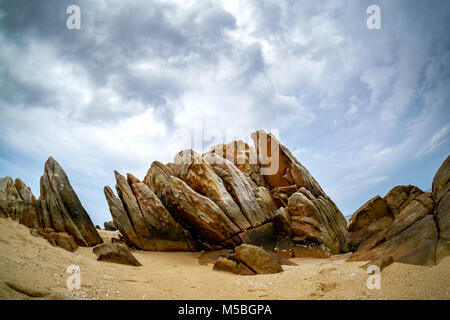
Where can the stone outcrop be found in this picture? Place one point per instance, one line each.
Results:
(224, 198)
(409, 225)
(58, 209)
(115, 253)
(142, 218)
(441, 195)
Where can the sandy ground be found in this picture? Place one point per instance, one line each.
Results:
(33, 262)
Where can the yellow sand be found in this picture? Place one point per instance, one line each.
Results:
(33, 262)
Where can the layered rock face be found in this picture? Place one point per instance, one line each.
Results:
(409, 225)
(223, 198)
(58, 214)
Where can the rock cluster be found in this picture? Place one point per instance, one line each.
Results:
(115, 253)
(57, 215)
(407, 225)
(226, 197)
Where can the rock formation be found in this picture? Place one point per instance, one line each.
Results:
(110, 226)
(409, 225)
(224, 198)
(115, 253)
(57, 215)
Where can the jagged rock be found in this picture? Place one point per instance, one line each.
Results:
(314, 221)
(281, 195)
(115, 253)
(244, 157)
(370, 218)
(282, 169)
(121, 219)
(143, 219)
(200, 176)
(66, 211)
(441, 194)
(257, 259)
(263, 236)
(228, 265)
(415, 245)
(200, 215)
(239, 188)
(282, 222)
(109, 225)
(8, 190)
(56, 239)
(399, 197)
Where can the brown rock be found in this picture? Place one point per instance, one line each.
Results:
(110, 226)
(370, 218)
(200, 176)
(65, 209)
(263, 236)
(8, 190)
(257, 259)
(282, 222)
(381, 263)
(59, 239)
(441, 194)
(400, 196)
(199, 214)
(115, 253)
(214, 255)
(24, 191)
(228, 265)
(239, 188)
(415, 245)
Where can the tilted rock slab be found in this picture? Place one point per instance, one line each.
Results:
(315, 217)
(65, 209)
(58, 209)
(419, 230)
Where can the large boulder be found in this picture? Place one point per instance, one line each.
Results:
(400, 196)
(115, 253)
(8, 189)
(109, 225)
(257, 259)
(65, 209)
(441, 195)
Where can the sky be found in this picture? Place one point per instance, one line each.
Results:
(363, 109)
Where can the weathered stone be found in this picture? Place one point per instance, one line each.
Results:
(166, 233)
(8, 190)
(370, 218)
(200, 176)
(319, 252)
(27, 290)
(58, 239)
(239, 188)
(24, 191)
(214, 255)
(109, 225)
(66, 212)
(281, 195)
(400, 196)
(244, 157)
(441, 194)
(201, 216)
(381, 263)
(228, 265)
(263, 236)
(282, 222)
(121, 219)
(115, 253)
(257, 259)
(415, 245)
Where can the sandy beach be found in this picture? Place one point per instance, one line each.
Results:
(32, 261)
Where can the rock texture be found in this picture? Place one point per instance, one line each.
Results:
(409, 225)
(58, 209)
(441, 195)
(110, 226)
(249, 260)
(115, 253)
(224, 198)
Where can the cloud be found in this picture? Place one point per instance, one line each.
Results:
(363, 108)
